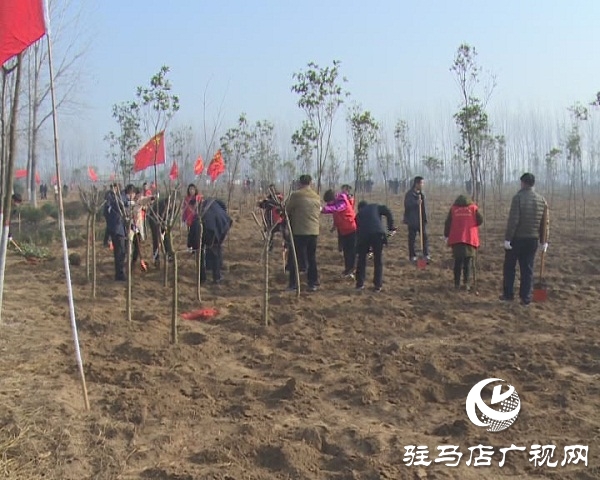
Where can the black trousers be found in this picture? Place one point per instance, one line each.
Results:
(523, 251)
(106, 237)
(120, 254)
(375, 243)
(156, 232)
(193, 239)
(211, 258)
(306, 252)
(136, 248)
(412, 237)
(462, 265)
(348, 243)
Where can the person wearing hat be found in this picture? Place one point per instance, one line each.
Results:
(303, 209)
(527, 227)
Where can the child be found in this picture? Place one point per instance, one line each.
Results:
(461, 232)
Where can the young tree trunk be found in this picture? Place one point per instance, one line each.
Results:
(293, 252)
(166, 267)
(175, 300)
(87, 246)
(266, 282)
(129, 271)
(93, 221)
(9, 178)
(199, 264)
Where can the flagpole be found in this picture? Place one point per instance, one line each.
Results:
(62, 228)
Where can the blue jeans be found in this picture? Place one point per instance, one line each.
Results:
(523, 251)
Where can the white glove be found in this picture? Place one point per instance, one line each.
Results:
(507, 245)
(544, 247)
(446, 240)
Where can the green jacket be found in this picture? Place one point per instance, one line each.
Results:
(528, 217)
(304, 211)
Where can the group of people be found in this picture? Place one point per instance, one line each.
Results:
(128, 212)
(361, 233)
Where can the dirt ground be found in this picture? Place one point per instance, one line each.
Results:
(335, 388)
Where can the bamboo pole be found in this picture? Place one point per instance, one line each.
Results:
(63, 230)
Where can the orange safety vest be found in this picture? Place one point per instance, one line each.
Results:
(463, 226)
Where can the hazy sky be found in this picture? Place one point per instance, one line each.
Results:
(395, 54)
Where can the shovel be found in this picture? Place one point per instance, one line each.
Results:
(421, 261)
(540, 289)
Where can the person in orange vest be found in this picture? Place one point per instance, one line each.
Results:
(344, 220)
(461, 232)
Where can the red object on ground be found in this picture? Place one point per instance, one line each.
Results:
(202, 314)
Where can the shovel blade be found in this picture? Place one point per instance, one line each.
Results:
(540, 294)
(421, 263)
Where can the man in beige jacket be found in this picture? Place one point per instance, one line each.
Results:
(303, 208)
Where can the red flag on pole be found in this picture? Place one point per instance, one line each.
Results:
(217, 166)
(38, 179)
(21, 173)
(199, 166)
(174, 172)
(92, 174)
(154, 149)
(21, 24)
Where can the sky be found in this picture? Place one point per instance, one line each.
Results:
(395, 54)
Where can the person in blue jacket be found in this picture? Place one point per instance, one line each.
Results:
(215, 227)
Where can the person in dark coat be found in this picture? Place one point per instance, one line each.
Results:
(115, 225)
(107, 194)
(526, 229)
(216, 224)
(372, 235)
(413, 200)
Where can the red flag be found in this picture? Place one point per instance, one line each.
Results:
(174, 172)
(38, 180)
(199, 166)
(154, 149)
(21, 24)
(92, 174)
(217, 166)
(21, 173)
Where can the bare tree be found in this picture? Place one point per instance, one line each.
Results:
(69, 38)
